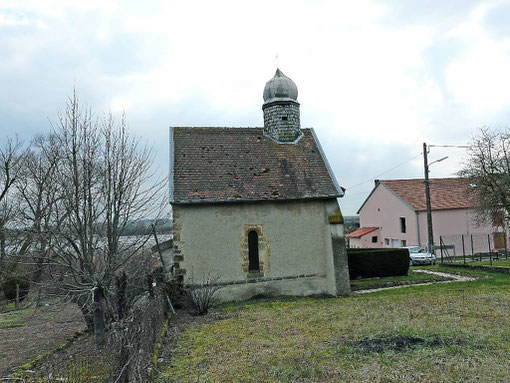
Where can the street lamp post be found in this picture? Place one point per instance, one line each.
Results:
(427, 198)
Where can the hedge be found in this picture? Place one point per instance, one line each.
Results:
(368, 263)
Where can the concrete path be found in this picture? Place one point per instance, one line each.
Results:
(454, 278)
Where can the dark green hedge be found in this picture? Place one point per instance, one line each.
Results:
(366, 263)
(9, 287)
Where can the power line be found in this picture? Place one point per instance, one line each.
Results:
(356, 194)
(449, 146)
(387, 171)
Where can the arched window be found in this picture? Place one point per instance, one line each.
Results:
(253, 251)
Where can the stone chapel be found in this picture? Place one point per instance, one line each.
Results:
(256, 209)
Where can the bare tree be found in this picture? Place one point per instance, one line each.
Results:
(488, 170)
(36, 197)
(103, 180)
(11, 161)
(11, 157)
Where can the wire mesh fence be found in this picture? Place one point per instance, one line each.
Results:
(87, 367)
(464, 248)
(83, 369)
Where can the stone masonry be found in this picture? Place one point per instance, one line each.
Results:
(264, 252)
(281, 121)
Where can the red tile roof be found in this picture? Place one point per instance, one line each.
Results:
(211, 165)
(445, 193)
(361, 232)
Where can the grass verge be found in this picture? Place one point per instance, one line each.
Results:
(411, 278)
(495, 263)
(436, 333)
(25, 371)
(14, 319)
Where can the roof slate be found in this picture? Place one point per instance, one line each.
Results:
(445, 193)
(240, 164)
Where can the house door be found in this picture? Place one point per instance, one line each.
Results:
(394, 243)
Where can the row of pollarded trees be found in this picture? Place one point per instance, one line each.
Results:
(65, 201)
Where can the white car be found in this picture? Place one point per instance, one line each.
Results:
(419, 256)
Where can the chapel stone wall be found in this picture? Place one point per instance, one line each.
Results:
(295, 247)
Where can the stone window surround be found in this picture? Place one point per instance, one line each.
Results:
(253, 251)
(264, 252)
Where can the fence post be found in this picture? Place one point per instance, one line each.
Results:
(490, 252)
(463, 249)
(16, 304)
(441, 247)
(506, 250)
(472, 250)
(481, 253)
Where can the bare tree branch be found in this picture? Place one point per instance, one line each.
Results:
(488, 170)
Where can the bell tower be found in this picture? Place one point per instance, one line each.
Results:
(281, 110)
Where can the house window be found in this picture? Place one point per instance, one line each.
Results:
(402, 224)
(387, 241)
(374, 239)
(403, 243)
(253, 251)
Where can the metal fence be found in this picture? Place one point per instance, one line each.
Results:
(86, 367)
(472, 247)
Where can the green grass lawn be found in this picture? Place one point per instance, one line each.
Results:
(14, 319)
(451, 332)
(5, 307)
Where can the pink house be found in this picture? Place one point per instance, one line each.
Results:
(394, 215)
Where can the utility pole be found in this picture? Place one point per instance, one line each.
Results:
(427, 199)
(426, 166)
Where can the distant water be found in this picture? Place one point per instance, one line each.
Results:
(131, 239)
(125, 241)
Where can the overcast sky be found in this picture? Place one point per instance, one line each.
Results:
(376, 79)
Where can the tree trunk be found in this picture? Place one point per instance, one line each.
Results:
(16, 304)
(122, 306)
(87, 313)
(122, 368)
(2, 243)
(36, 277)
(99, 314)
(40, 258)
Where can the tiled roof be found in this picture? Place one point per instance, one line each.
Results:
(445, 193)
(241, 164)
(361, 232)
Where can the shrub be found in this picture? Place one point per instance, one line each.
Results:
(202, 296)
(368, 263)
(9, 287)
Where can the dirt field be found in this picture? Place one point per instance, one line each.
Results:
(26, 334)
